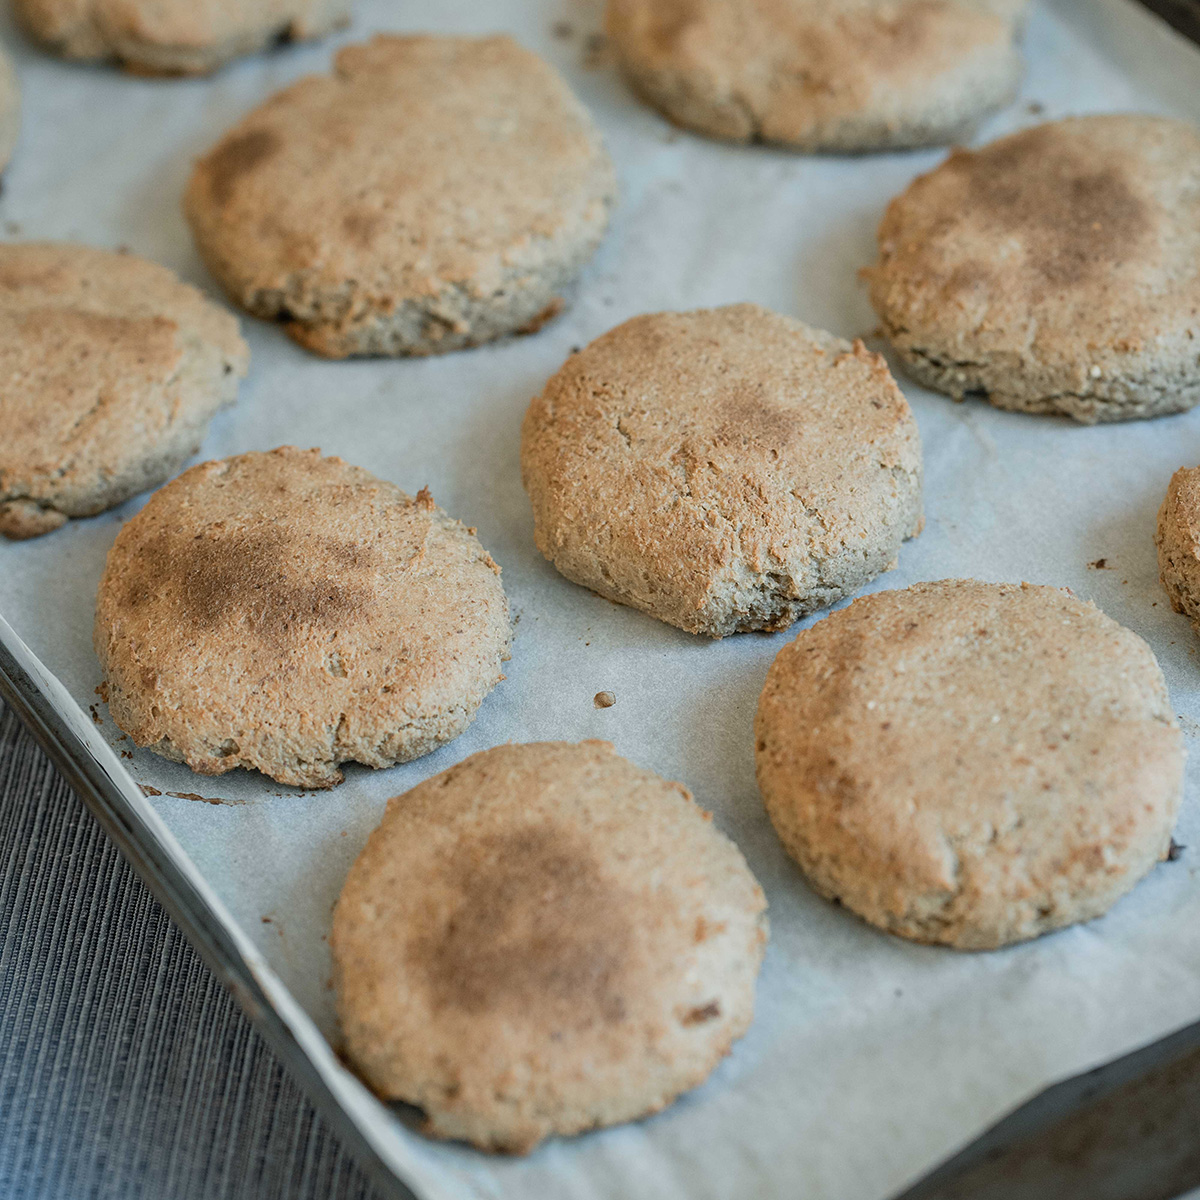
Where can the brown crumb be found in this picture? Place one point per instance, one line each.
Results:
(147, 790)
(1175, 852)
(707, 1012)
(562, 30)
(1101, 564)
(596, 51)
(604, 700)
(202, 799)
(425, 499)
(97, 719)
(1035, 108)
(126, 753)
(266, 920)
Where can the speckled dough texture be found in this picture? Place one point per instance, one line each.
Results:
(112, 370)
(970, 763)
(544, 939)
(1177, 538)
(431, 194)
(1055, 271)
(175, 37)
(836, 75)
(288, 613)
(724, 470)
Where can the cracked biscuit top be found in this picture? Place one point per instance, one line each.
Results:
(429, 194)
(543, 939)
(970, 763)
(839, 75)
(287, 612)
(1055, 270)
(112, 368)
(724, 470)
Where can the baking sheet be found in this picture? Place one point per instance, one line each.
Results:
(870, 1058)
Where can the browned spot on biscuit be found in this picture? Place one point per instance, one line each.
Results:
(256, 576)
(362, 226)
(537, 930)
(235, 157)
(1076, 219)
(747, 416)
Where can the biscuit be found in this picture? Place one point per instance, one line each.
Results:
(542, 940)
(1054, 271)
(112, 370)
(432, 194)
(970, 763)
(835, 75)
(288, 613)
(1177, 538)
(175, 37)
(724, 470)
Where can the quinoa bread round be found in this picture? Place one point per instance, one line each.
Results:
(113, 369)
(970, 764)
(430, 194)
(1056, 270)
(544, 939)
(175, 37)
(822, 75)
(723, 470)
(288, 613)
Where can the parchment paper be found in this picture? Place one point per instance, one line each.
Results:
(870, 1058)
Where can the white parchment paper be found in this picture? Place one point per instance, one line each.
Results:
(870, 1058)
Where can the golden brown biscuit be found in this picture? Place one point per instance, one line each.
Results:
(1054, 271)
(433, 193)
(1177, 538)
(840, 75)
(970, 763)
(723, 470)
(541, 940)
(289, 613)
(112, 370)
(175, 37)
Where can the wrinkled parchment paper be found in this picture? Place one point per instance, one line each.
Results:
(870, 1058)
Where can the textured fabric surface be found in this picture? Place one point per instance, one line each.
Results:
(126, 1070)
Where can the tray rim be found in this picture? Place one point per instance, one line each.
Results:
(94, 783)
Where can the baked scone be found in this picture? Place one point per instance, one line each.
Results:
(724, 470)
(970, 763)
(1177, 538)
(541, 940)
(288, 613)
(175, 37)
(112, 370)
(1053, 271)
(835, 75)
(432, 193)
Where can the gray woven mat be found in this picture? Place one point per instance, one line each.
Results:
(125, 1069)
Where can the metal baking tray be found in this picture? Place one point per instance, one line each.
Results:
(1126, 1129)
